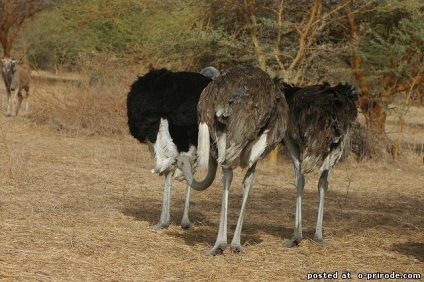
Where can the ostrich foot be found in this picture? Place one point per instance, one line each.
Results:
(218, 249)
(322, 241)
(186, 225)
(237, 248)
(160, 225)
(293, 242)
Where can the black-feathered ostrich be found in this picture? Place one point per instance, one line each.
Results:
(320, 117)
(242, 117)
(162, 112)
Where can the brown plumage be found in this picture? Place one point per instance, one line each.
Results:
(242, 103)
(244, 114)
(319, 121)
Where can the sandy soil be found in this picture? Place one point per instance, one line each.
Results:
(75, 208)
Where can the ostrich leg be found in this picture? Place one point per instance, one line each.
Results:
(247, 184)
(300, 184)
(185, 222)
(322, 187)
(221, 240)
(165, 217)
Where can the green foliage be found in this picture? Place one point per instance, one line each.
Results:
(146, 30)
(189, 34)
(174, 31)
(278, 27)
(61, 35)
(302, 41)
(395, 43)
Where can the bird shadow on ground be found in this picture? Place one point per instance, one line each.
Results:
(414, 249)
(271, 212)
(204, 215)
(149, 210)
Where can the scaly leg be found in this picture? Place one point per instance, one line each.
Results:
(165, 217)
(322, 187)
(247, 184)
(221, 240)
(185, 222)
(300, 184)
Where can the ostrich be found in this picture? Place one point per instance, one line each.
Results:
(320, 117)
(162, 112)
(244, 115)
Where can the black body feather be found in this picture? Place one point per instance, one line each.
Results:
(169, 95)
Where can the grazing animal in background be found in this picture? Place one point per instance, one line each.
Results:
(16, 76)
(243, 114)
(162, 112)
(320, 117)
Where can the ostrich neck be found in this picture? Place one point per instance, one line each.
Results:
(183, 163)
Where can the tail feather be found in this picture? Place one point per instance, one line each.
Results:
(203, 147)
(165, 150)
(222, 146)
(348, 90)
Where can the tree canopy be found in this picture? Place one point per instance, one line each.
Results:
(377, 45)
(13, 15)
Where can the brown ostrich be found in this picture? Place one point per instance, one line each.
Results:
(320, 117)
(242, 117)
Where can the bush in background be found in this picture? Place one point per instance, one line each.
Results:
(93, 103)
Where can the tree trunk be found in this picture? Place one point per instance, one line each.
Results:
(371, 107)
(7, 47)
(5, 25)
(13, 14)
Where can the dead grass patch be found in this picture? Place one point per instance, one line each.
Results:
(83, 208)
(80, 109)
(90, 103)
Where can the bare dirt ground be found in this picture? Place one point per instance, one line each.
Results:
(77, 208)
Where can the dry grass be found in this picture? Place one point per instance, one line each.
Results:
(90, 103)
(411, 135)
(79, 206)
(77, 108)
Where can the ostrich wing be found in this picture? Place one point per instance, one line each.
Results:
(320, 117)
(238, 103)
